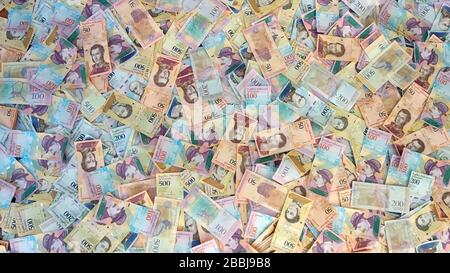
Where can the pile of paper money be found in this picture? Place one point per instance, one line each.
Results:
(245, 126)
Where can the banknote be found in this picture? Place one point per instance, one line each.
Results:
(183, 242)
(404, 76)
(164, 73)
(435, 112)
(200, 22)
(18, 40)
(219, 178)
(401, 20)
(43, 168)
(290, 225)
(168, 185)
(66, 17)
(389, 61)
(210, 246)
(10, 222)
(125, 215)
(268, 57)
(17, 91)
(218, 221)
(361, 226)
(92, 104)
(399, 236)
(30, 216)
(130, 189)
(190, 178)
(67, 210)
(389, 198)
(170, 152)
(439, 21)
(288, 170)
(120, 45)
(10, 54)
(327, 13)
(85, 236)
(127, 170)
(225, 155)
(67, 183)
(15, 172)
(7, 192)
(321, 214)
(127, 83)
(425, 140)
(53, 71)
(121, 136)
(140, 64)
(350, 127)
(261, 190)
(132, 114)
(390, 96)
(329, 242)
(263, 8)
(17, 69)
(8, 116)
(280, 38)
(164, 236)
(305, 103)
(373, 156)
(372, 109)
(171, 45)
(142, 198)
(52, 242)
(424, 223)
(324, 170)
(362, 8)
(61, 112)
(36, 145)
(320, 81)
(134, 16)
(76, 77)
(252, 78)
(435, 246)
(414, 161)
(420, 188)
(338, 49)
(99, 182)
(19, 19)
(374, 44)
(256, 96)
(89, 156)
(278, 140)
(96, 51)
(257, 223)
(206, 74)
(406, 112)
(393, 173)
(441, 198)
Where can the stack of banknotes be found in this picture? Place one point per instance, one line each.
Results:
(218, 126)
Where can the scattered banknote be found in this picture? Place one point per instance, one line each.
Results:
(213, 126)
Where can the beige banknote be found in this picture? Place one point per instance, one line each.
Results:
(134, 15)
(264, 49)
(291, 222)
(95, 45)
(164, 236)
(406, 112)
(382, 197)
(389, 61)
(338, 49)
(89, 155)
(261, 190)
